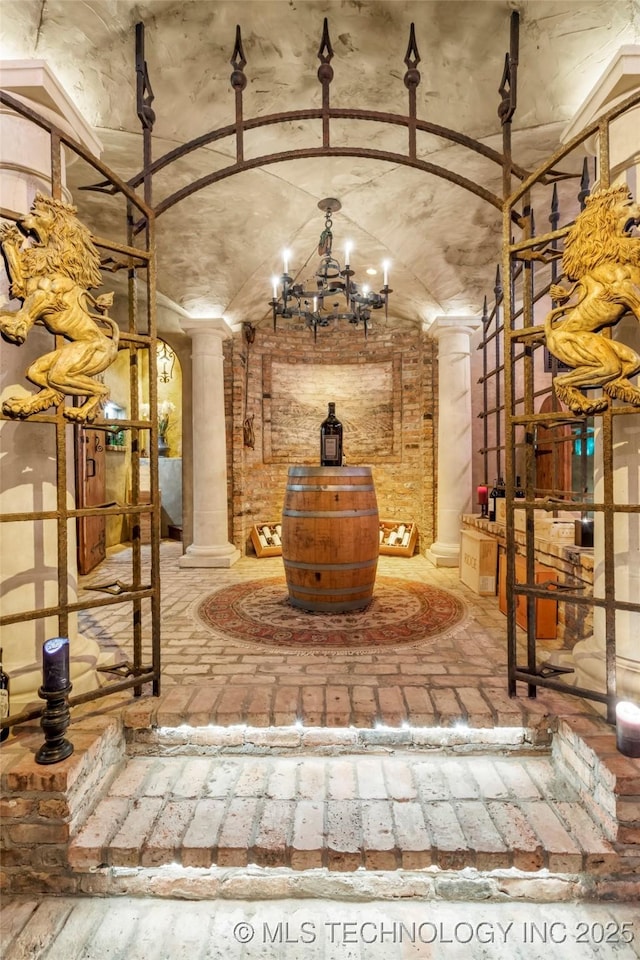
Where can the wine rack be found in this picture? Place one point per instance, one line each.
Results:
(267, 544)
(398, 538)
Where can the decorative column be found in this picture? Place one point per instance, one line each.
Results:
(210, 547)
(454, 488)
(28, 550)
(620, 80)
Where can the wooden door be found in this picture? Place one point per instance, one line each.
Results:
(553, 456)
(91, 491)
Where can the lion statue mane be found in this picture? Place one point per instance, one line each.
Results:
(602, 257)
(52, 264)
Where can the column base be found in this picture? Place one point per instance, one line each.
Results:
(588, 660)
(444, 554)
(224, 556)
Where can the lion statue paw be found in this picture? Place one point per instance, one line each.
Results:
(15, 331)
(9, 233)
(622, 390)
(87, 413)
(577, 402)
(22, 407)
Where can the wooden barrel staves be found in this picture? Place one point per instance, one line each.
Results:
(330, 538)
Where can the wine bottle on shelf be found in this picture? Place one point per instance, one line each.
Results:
(279, 529)
(4, 699)
(405, 538)
(268, 535)
(492, 502)
(262, 539)
(393, 536)
(277, 542)
(331, 440)
(381, 534)
(401, 531)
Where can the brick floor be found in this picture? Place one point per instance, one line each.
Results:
(459, 678)
(379, 812)
(340, 767)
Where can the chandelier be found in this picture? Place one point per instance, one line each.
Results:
(165, 361)
(317, 305)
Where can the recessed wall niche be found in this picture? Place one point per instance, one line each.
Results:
(368, 403)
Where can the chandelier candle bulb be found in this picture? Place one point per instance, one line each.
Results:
(274, 284)
(55, 664)
(385, 273)
(628, 728)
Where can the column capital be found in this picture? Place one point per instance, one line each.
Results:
(33, 83)
(444, 325)
(208, 325)
(620, 79)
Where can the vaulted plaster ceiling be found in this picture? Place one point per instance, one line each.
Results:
(219, 248)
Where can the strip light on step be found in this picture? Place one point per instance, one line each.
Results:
(457, 733)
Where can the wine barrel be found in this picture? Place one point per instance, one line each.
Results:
(330, 538)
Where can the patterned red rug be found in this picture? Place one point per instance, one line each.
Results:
(401, 613)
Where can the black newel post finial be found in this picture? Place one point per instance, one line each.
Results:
(55, 689)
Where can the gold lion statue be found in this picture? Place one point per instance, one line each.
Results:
(602, 257)
(52, 264)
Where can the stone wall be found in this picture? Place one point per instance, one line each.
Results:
(384, 389)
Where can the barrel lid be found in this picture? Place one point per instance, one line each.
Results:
(329, 471)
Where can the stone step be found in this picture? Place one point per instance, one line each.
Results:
(379, 812)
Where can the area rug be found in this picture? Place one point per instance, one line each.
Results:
(401, 613)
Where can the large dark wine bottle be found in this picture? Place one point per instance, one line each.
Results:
(331, 440)
(493, 495)
(4, 699)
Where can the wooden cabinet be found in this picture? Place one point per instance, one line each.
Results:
(546, 610)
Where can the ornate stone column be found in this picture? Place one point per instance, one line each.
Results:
(210, 547)
(454, 434)
(28, 550)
